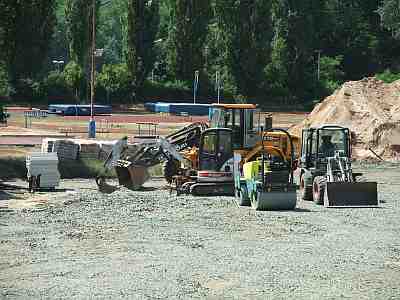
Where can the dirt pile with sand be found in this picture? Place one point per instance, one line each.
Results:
(370, 108)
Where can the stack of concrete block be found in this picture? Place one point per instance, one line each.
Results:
(74, 148)
(89, 151)
(65, 149)
(45, 165)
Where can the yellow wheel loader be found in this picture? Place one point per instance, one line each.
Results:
(326, 175)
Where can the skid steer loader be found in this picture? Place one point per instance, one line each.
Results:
(267, 182)
(132, 161)
(326, 174)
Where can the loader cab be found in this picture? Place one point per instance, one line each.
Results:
(215, 150)
(322, 142)
(240, 118)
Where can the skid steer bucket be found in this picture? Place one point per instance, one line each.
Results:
(355, 194)
(131, 176)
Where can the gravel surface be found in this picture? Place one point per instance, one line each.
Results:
(153, 245)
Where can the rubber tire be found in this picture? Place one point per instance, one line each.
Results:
(319, 189)
(244, 201)
(306, 192)
(170, 169)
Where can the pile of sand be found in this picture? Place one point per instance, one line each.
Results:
(370, 108)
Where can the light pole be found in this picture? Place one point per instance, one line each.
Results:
(195, 85)
(318, 63)
(218, 83)
(92, 122)
(58, 63)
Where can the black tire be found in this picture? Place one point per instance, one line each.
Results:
(319, 189)
(306, 192)
(170, 169)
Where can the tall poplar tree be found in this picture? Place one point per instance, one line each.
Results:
(390, 15)
(8, 16)
(26, 28)
(77, 18)
(247, 30)
(143, 23)
(188, 33)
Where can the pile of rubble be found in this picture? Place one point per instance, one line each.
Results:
(371, 109)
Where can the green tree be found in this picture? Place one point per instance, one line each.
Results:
(4, 82)
(331, 74)
(78, 18)
(74, 76)
(26, 28)
(390, 15)
(113, 78)
(8, 16)
(112, 31)
(143, 23)
(188, 33)
(246, 30)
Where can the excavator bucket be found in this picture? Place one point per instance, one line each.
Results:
(354, 194)
(131, 176)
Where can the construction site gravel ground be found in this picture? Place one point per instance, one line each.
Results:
(153, 245)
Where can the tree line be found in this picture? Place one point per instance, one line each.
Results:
(267, 51)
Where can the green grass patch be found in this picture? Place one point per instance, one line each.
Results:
(14, 167)
(85, 168)
(157, 170)
(388, 77)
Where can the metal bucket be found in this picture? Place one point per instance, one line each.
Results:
(275, 199)
(356, 194)
(131, 176)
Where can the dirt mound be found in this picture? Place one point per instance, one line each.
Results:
(370, 108)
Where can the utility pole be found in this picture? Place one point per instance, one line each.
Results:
(92, 122)
(218, 84)
(318, 65)
(195, 85)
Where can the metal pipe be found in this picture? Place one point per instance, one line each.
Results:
(291, 148)
(262, 159)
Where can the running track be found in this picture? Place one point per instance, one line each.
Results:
(142, 118)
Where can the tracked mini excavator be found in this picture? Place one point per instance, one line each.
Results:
(326, 175)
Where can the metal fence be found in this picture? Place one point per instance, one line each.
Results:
(36, 114)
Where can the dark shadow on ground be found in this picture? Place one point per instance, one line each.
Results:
(147, 189)
(6, 195)
(302, 210)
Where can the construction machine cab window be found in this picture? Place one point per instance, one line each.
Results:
(331, 141)
(239, 120)
(215, 150)
(210, 143)
(325, 142)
